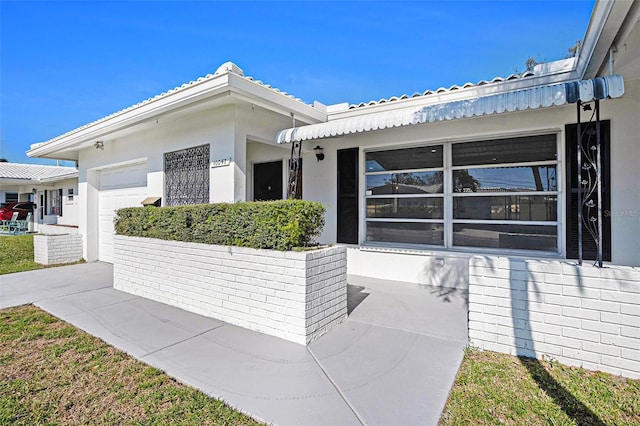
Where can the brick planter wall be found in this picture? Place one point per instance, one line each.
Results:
(581, 316)
(296, 296)
(57, 249)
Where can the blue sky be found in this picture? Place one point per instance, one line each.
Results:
(64, 64)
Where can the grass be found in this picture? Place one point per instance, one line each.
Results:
(493, 389)
(16, 254)
(53, 373)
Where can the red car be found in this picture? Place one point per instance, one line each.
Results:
(7, 210)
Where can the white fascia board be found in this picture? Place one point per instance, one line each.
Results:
(606, 21)
(206, 90)
(268, 98)
(59, 178)
(16, 181)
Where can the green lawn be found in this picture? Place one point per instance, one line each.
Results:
(53, 373)
(494, 389)
(16, 254)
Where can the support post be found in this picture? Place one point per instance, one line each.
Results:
(599, 182)
(579, 165)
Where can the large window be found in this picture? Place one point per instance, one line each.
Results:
(404, 196)
(489, 194)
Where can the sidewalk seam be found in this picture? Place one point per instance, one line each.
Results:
(181, 341)
(466, 342)
(335, 385)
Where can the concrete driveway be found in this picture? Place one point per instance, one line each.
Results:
(392, 362)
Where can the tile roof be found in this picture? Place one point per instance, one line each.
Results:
(35, 172)
(226, 67)
(444, 90)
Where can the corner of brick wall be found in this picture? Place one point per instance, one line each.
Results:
(57, 249)
(580, 315)
(263, 290)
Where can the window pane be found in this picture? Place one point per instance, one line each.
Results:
(410, 233)
(513, 236)
(425, 157)
(405, 183)
(512, 150)
(498, 179)
(510, 207)
(414, 208)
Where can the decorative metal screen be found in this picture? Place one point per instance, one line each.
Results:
(186, 174)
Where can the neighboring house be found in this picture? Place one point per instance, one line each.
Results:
(414, 184)
(53, 189)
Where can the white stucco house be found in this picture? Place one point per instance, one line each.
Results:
(414, 185)
(53, 190)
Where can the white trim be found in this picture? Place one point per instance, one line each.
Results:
(502, 193)
(403, 220)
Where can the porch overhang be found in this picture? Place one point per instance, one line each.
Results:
(519, 100)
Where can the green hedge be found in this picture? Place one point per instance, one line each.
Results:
(279, 225)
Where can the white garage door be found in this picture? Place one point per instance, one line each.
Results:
(119, 187)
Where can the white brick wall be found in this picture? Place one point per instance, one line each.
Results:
(43, 228)
(296, 296)
(57, 249)
(579, 315)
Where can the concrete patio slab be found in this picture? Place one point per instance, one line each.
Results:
(137, 326)
(29, 287)
(273, 380)
(392, 362)
(85, 301)
(390, 376)
(439, 312)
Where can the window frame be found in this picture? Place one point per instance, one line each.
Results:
(440, 195)
(448, 196)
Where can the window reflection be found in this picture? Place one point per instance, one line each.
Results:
(405, 183)
(408, 232)
(425, 157)
(414, 208)
(524, 237)
(513, 179)
(511, 207)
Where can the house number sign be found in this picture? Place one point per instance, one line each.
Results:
(221, 163)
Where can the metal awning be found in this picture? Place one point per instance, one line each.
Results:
(520, 100)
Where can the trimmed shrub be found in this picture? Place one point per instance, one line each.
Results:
(279, 225)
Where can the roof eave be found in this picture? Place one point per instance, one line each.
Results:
(133, 116)
(52, 179)
(228, 85)
(606, 20)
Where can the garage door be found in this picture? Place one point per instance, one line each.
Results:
(119, 187)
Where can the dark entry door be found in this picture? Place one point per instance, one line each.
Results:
(589, 247)
(347, 196)
(267, 181)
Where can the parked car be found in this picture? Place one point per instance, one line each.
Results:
(24, 208)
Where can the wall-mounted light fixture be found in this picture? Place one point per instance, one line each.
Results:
(99, 145)
(319, 154)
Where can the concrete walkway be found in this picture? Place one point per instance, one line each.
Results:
(392, 362)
